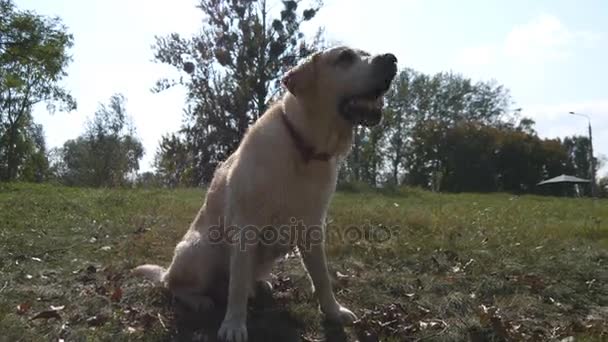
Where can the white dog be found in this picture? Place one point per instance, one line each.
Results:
(283, 172)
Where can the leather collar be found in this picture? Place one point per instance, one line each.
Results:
(306, 150)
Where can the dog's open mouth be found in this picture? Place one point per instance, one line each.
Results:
(365, 109)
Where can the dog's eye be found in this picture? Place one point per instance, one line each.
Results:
(346, 57)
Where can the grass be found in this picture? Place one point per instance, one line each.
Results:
(456, 267)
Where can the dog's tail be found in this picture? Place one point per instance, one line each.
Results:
(154, 273)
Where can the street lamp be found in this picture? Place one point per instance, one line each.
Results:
(592, 160)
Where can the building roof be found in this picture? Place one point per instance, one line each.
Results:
(564, 179)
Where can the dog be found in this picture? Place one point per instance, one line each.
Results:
(283, 174)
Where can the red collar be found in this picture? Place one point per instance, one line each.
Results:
(307, 151)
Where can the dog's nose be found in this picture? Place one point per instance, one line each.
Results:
(390, 58)
(386, 62)
(387, 59)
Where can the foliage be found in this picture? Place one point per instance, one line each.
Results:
(33, 59)
(603, 187)
(173, 161)
(107, 153)
(233, 68)
(445, 132)
(416, 99)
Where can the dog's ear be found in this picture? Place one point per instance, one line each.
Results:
(302, 77)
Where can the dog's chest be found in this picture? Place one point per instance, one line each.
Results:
(310, 189)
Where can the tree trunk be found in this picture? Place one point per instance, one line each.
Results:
(12, 159)
(357, 155)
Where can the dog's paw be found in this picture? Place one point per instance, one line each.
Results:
(341, 315)
(233, 330)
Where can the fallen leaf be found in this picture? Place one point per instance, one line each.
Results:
(116, 295)
(423, 309)
(47, 315)
(96, 321)
(23, 308)
(341, 275)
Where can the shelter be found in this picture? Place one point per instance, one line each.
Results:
(565, 179)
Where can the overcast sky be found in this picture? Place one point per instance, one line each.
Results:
(551, 54)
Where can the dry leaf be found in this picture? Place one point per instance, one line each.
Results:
(23, 308)
(116, 295)
(341, 275)
(96, 321)
(47, 315)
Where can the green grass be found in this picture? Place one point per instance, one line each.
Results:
(456, 267)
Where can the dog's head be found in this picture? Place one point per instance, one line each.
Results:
(348, 82)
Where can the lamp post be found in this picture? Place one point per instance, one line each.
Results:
(592, 160)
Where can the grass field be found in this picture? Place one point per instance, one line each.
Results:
(456, 267)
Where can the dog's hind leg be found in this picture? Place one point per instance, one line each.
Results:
(196, 302)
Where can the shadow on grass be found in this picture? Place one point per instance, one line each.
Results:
(268, 320)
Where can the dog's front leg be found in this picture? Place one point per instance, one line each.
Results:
(234, 326)
(315, 262)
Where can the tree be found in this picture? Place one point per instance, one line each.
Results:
(422, 108)
(400, 103)
(475, 156)
(107, 154)
(234, 67)
(33, 59)
(603, 187)
(172, 161)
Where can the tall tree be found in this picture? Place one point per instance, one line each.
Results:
(33, 59)
(404, 99)
(173, 161)
(234, 67)
(602, 186)
(107, 154)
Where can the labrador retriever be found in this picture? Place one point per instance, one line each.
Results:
(271, 195)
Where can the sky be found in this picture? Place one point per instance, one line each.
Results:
(551, 54)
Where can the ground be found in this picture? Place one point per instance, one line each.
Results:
(424, 266)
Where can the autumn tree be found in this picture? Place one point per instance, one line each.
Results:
(33, 59)
(232, 70)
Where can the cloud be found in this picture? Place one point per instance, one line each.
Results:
(544, 38)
